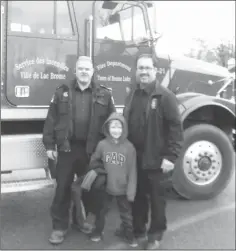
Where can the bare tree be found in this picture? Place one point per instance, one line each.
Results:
(224, 51)
(219, 54)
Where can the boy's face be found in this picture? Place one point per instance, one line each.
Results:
(115, 129)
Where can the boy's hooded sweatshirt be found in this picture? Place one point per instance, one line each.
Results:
(119, 160)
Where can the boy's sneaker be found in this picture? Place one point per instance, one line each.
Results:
(141, 237)
(96, 237)
(132, 243)
(120, 232)
(130, 240)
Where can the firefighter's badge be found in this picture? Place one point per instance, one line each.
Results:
(65, 94)
(154, 103)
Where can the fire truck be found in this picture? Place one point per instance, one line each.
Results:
(40, 42)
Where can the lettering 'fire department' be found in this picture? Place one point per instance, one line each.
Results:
(115, 158)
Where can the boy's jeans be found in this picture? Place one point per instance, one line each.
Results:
(125, 211)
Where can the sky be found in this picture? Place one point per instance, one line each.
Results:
(181, 21)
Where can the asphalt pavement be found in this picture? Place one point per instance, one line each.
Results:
(26, 224)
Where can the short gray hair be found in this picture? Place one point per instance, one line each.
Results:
(84, 58)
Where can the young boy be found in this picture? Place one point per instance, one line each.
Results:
(118, 156)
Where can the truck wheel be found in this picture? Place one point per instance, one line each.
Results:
(206, 163)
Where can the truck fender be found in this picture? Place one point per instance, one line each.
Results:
(191, 104)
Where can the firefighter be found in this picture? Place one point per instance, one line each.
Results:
(72, 129)
(155, 130)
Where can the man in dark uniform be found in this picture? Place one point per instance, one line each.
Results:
(72, 129)
(155, 129)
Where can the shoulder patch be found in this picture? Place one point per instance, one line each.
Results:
(107, 88)
(65, 94)
(64, 87)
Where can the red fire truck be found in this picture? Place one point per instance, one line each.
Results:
(40, 42)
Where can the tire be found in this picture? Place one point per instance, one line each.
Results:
(185, 173)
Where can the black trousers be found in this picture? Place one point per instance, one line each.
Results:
(125, 210)
(149, 189)
(68, 164)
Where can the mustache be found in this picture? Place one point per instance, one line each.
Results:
(144, 75)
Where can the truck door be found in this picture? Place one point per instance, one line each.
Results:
(119, 31)
(42, 48)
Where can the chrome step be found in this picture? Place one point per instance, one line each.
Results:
(27, 185)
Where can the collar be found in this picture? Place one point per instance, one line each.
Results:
(77, 88)
(155, 88)
(149, 88)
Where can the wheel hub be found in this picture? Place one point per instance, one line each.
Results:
(202, 162)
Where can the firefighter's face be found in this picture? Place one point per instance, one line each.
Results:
(146, 72)
(84, 71)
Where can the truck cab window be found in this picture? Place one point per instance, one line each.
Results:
(63, 23)
(139, 29)
(123, 23)
(31, 17)
(105, 29)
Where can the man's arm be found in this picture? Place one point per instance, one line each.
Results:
(96, 158)
(111, 106)
(175, 127)
(48, 130)
(132, 176)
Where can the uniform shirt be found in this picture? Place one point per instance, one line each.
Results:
(82, 102)
(137, 117)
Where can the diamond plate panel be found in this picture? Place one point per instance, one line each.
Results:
(22, 152)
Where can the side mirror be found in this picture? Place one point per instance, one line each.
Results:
(114, 18)
(149, 4)
(109, 5)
